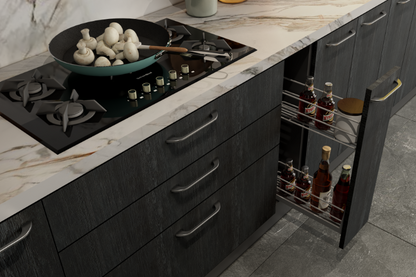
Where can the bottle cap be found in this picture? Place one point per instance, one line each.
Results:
(326, 152)
(309, 80)
(346, 167)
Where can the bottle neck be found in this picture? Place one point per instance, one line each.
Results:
(344, 179)
(324, 165)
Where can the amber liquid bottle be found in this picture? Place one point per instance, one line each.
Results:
(321, 185)
(340, 194)
(288, 175)
(328, 103)
(308, 95)
(303, 182)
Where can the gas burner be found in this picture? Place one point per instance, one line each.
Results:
(176, 33)
(218, 45)
(68, 113)
(36, 88)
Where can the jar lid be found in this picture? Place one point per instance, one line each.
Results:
(351, 106)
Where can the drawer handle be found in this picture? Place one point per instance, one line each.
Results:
(399, 84)
(342, 41)
(383, 14)
(189, 232)
(178, 189)
(25, 232)
(214, 116)
(403, 2)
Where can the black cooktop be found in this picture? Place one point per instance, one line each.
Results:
(61, 109)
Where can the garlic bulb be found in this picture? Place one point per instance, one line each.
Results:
(84, 55)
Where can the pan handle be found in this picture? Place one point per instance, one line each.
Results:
(172, 49)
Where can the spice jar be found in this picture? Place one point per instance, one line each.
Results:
(351, 110)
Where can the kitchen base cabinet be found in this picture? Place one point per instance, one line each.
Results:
(235, 212)
(35, 254)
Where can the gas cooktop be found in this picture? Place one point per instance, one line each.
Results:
(60, 108)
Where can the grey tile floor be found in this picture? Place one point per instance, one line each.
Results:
(385, 246)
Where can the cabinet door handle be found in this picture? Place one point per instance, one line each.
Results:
(381, 99)
(383, 14)
(214, 116)
(189, 232)
(23, 234)
(403, 2)
(178, 189)
(342, 41)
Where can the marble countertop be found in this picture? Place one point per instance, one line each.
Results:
(277, 29)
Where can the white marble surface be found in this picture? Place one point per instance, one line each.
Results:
(27, 26)
(29, 171)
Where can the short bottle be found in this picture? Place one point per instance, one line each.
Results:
(340, 194)
(308, 110)
(289, 176)
(303, 186)
(321, 185)
(328, 103)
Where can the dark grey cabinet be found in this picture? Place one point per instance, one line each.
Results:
(334, 54)
(33, 255)
(397, 33)
(237, 210)
(368, 48)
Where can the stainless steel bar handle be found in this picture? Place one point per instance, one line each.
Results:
(189, 232)
(342, 41)
(383, 14)
(23, 234)
(214, 116)
(403, 2)
(178, 189)
(381, 99)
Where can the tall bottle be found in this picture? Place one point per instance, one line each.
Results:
(309, 95)
(340, 194)
(289, 176)
(328, 103)
(321, 185)
(303, 182)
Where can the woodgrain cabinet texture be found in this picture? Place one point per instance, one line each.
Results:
(35, 255)
(90, 200)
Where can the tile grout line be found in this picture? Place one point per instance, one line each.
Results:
(251, 274)
(405, 117)
(391, 234)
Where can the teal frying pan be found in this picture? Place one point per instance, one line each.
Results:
(63, 46)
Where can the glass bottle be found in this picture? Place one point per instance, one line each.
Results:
(328, 103)
(308, 95)
(288, 174)
(340, 194)
(303, 182)
(321, 185)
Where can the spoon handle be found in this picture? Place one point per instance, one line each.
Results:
(172, 49)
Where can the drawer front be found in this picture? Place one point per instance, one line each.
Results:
(245, 204)
(94, 254)
(90, 200)
(35, 254)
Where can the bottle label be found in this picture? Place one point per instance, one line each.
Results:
(328, 117)
(310, 109)
(310, 88)
(329, 95)
(325, 196)
(291, 186)
(305, 195)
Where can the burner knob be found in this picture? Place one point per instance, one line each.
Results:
(160, 82)
(185, 69)
(173, 75)
(146, 88)
(132, 94)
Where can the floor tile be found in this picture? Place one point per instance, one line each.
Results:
(247, 263)
(408, 110)
(313, 251)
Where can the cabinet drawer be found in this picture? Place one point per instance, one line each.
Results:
(94, 254)
(245, 204)
(90, 200)
(35, 254)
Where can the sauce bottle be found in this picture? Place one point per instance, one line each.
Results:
(328, 103)
(308, 95)
(340, 194)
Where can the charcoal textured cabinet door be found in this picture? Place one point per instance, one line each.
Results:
(397, 33)
(234, 212)
(368, 47)
(408, 75)
(35, 254)
(333, 63)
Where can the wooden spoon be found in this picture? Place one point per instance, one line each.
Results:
(172, 49)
